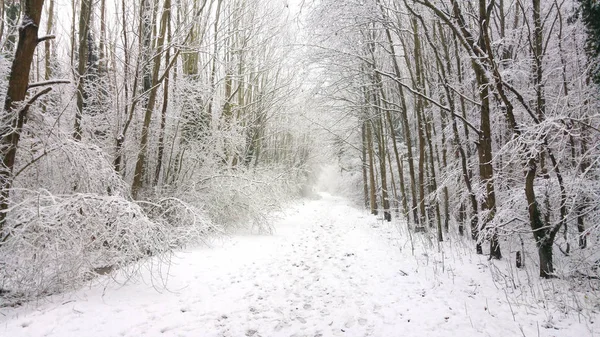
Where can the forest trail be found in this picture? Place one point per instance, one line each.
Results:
(329, 270)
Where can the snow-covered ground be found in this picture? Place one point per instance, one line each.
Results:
(330, 269)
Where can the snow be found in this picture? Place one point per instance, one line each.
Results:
(330, 269)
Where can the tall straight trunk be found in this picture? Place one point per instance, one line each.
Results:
(422, 170)
(392, 133)
(385, 201)
(17, 89)
(444, 124)
(372, 194)
(482, 64)
(2, 12)
(484, 149)
(565, 88)
(213, 72)
(463, 103)
(537, 70)
(73, 32)
(462, 34)
(543, 232)
(364, 163)
(445, 69)
(466, 175)
(150, 87)
(406, 129)
(48, 43)
(445, 167)
(82, 63)
(580, 209)
(400, 167)
(145, 40)
(478, 46)
(102, 43)
(395, 205)
(165, 103)
(433, 179)
(128, 110)
(418, 84)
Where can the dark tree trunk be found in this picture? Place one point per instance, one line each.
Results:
(385, 201)
(372, 195)
(545, 252)
(17, 89)
(406, 129)
(364, 164)
(83, 51)
(544, 236)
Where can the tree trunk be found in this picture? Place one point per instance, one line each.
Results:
(84, 26)
(372, 194)
(406, 129)
(120, 140)
(364, 163)
(151, 88)
(545, 253)
(163, 115)
(17, 89)
(102, 64)
(387, 216)
(544, 238)
(48, 43)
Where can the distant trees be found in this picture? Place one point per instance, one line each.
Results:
(492, 87)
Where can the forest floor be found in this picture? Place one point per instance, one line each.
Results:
(329, 269)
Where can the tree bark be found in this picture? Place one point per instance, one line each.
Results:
(385, 201)
(151, 88)
(406, 129)
(84, 26)
(13, 119)
(372, 194)
(163, 115)
(364, 163)
(48, 42)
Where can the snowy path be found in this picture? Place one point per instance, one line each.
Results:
(330, 270)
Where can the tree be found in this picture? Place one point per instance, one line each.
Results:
(150, 87)
(14, 113)
(82, 64)
(532, 133)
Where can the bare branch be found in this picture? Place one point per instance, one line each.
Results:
(46, 83)
(47, 37)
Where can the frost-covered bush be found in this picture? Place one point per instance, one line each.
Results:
(240, 198)
(71, 218)
(52, 242)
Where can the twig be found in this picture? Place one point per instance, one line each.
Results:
(46, 83)
(47, 37)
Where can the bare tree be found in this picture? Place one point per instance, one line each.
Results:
(15, 113)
